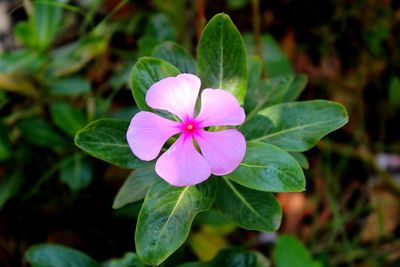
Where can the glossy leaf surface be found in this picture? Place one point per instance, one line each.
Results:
(166, 217)
(222, 57)
(295, 126)
(105, 139)
(268, 168)
(248, 208)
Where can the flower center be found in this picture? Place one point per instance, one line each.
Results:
(189, 127)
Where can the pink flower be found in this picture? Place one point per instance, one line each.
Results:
(182, 164)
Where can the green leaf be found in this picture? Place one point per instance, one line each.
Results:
(23, 32)
(120, 77)
(146, 44)
(45, 22)
(268, 168)
(136, 186)
(70, 58)
(21, 61)
(394, 91)
(51, 255)
(296, 126)
(39, 132)
(67, 117)
(145, 73)
(76, 172)
(301, 159)
(105, 139)
(174, 10)
(254, 72)
(3, 99)
(222, 57)
(17, 83)
(296, 87)
(249, 209)
(166, 217)
(128, 260)
(285, 88)
(212, 217)
(176, 55)
(69, 86)
(160, 27)
(290, 252)
(5, 144)
(237, 4)
(231, 257)
(276, 62)
(9, 186)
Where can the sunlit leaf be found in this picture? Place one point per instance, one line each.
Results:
(221, 57)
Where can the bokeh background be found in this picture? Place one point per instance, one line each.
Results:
(71, 65)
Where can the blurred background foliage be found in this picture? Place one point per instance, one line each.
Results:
(65, 63)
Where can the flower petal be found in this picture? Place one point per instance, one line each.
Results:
(224, 150)
(177, 95)
(219, 108)
(182, 164)
(148, 132)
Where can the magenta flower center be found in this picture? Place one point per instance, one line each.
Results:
(189, 127)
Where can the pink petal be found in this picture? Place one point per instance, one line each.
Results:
(177, 95)
(148, 132)
(219, 108)
(224, 150)
(182, 164)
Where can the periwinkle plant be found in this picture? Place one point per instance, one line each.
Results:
(245, 171)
